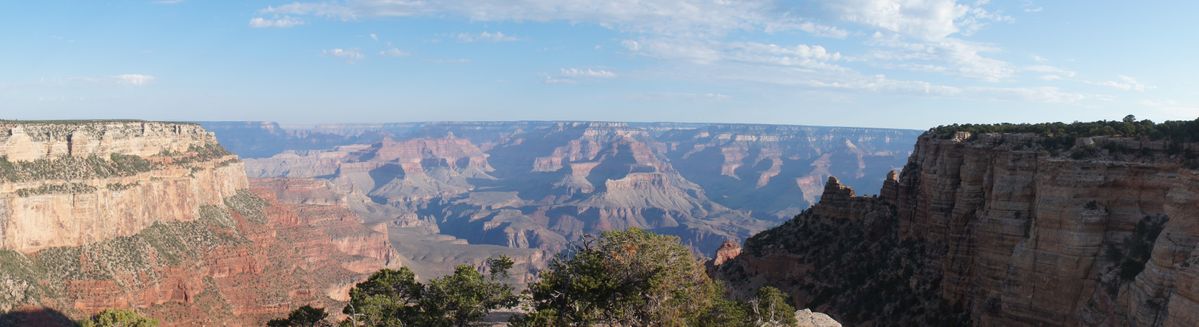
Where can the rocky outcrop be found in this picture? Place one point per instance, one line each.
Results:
(74, 183)
(807, 318)
(998, 229)
(727, 251)
(33, 140)
(157, 216)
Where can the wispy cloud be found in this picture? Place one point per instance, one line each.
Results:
(1049, 73)
(485, 37)
(949, 56)
(674, 17)
(573, 75)
(925, 19)
(1124, 83)
(393, 52)
(927, 42)
(587, 72)
(134, 79)
(350, 55)
(1030, 7)
(282, 22)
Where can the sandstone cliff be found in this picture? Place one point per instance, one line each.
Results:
(157, 216)
(69, 184)
(999, 230)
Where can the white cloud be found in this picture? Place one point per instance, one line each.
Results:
(1049, 73)
(374, 36)
(167, 2)
(823, 30)
(675, 49)
(485, 37)
(393, 52)
(801, 55)
(282, 22)
(663, 17)
(350, 55)
(950, 55)
(573, 75)
(1030, 7)
(925, 19)
(134, 79)
(1124, 83)
(587, 72)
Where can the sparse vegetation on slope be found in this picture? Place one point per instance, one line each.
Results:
(72, 188)
(94, 166)
(248, 205)
(134, 257)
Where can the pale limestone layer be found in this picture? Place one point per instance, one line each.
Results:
(28, 141)
(35, 222)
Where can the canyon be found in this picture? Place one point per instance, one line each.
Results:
(159, 217)
(997, 229)
(526, 189)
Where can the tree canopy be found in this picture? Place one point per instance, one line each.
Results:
(1179, 131)
(395, 298)
(305, 316)
(619, 278)
(632, 278)
(119, 318)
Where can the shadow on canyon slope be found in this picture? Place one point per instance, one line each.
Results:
(36, 317)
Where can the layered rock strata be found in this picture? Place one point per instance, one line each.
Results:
(158, 217)
(998, 230)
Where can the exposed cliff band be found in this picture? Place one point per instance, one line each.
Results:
(1001, 229)
(158, 216)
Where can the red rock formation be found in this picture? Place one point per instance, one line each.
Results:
(728, 251)
(301, 254)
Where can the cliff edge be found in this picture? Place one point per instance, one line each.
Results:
(1001, 228)
(159, 217)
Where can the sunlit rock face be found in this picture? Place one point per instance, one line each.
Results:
(993, 229)
(157, 216)
(542, 184)
(73, 183)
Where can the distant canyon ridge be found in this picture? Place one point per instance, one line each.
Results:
(457, 191)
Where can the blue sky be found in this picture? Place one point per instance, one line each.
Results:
(876, 63)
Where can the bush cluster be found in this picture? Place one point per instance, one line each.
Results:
(620, 278)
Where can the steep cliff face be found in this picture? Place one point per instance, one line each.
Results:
(159, 217)
(998, 229)
(69, 184)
